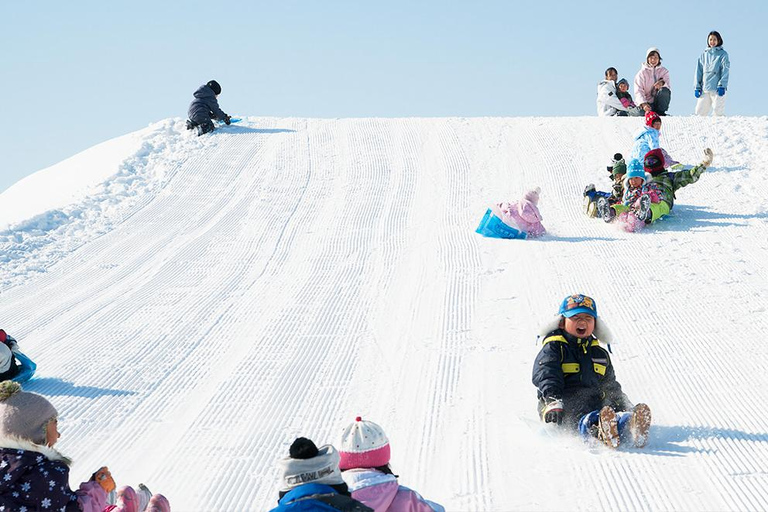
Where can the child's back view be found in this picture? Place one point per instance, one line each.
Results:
(205, 107)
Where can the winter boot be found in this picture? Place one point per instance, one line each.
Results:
(643, 211)
(608, 427)
(604, 209)
(640, 424)
(590, 207)
(205, 127)
(190, 125)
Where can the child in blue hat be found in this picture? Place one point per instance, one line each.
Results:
(576, 383)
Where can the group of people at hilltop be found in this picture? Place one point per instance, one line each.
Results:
(653, 90)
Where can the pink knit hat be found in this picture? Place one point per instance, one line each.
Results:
(363, 445)
(533, 195)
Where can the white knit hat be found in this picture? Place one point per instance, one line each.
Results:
(309, 464)
(363, 445)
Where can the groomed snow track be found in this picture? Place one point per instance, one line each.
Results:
(286, 275)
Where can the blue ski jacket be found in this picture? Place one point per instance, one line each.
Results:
(318, 498)
(712, 70)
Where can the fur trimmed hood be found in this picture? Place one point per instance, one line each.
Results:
(14, 443)
(602, 332)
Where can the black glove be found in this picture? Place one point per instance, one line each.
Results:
(553, 412)
(227, 120)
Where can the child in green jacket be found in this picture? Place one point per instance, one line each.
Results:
(666, 182)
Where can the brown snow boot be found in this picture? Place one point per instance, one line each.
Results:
(608, 427)
(640, 424)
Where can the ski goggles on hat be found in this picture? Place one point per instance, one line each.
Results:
(576, 304)
(652, 161)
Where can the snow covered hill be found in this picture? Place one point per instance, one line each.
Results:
(194, 304)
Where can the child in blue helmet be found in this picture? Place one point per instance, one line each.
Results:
(576, 383)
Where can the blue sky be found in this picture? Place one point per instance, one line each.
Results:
(79, 73)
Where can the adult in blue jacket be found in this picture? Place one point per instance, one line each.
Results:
(712, 73)
(205, 107)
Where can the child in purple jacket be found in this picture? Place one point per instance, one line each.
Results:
(364, 452)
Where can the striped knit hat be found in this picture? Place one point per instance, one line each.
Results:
(363, 445)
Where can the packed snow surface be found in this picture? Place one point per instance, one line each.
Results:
(194, 304)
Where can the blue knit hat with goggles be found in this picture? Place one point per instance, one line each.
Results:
(578, 303)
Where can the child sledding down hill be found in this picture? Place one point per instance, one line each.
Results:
(514, 220)
(648, 138)
(33, 475)
(617, 170)
(662, 185)
(13, 363)
(576, 383)
(636, 200)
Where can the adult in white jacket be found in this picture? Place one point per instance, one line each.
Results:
(608, 104)
(652, 88)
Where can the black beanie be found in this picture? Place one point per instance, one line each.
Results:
(303, 448)
(213, 84)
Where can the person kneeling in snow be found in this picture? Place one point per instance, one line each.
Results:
(666, 182)
(205, 107)
(311, 480)
(364, 452)
(576, 383)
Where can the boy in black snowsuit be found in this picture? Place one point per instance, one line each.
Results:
(576, 382)
(205, 107)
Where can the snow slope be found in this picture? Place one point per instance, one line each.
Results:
(204, 301)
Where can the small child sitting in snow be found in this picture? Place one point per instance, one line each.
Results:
(35, 476)
(622, 93)
(364, 464)
(524, 214)
(576, 383)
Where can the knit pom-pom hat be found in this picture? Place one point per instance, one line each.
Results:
(363, 445)
(533, 195)
(307, 463)
(24, 415)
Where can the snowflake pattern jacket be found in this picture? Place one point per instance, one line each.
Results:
(36, 478)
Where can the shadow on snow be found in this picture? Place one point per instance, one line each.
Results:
(56, 387)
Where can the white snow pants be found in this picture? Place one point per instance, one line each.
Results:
(709, 99)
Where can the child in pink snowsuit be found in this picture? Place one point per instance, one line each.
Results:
(364, 453)
(525, 214)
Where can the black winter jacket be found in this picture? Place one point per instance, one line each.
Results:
(578, 371)
(205, 106)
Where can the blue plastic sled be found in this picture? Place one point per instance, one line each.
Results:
(27, 368)
(493, 227)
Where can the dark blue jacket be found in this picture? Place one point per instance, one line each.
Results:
(205, 106)
(578, 371)
(318, 497)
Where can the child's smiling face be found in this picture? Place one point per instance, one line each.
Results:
(581, 325)
(623, 87)
(635, 182)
